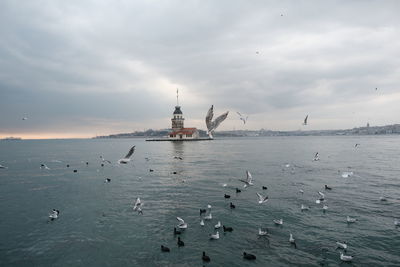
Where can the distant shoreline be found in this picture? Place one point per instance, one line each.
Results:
(369, 130)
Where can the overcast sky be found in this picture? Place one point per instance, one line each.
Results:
(86, 68)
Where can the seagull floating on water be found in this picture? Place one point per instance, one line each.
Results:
(292, 240)
(341, 245)
(202, 222)
(347, 174)
(248, 181)
(304, 207)
(138, 206)
(44, 166)
(301, 191)
(107, 180)
(261, 199)
(396, 222)
(208, 217)
(214, 236)
(262, 232)
(345, 257)
(278, 222)
(127, 158)
(182, 224)
(54, 214)
(325, 208)
(2, 167)
(383, 198)
(351, 220)
(218, 225)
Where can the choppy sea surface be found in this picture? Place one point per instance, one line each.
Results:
(98, 227)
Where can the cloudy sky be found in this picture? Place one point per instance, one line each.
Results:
(86, 68)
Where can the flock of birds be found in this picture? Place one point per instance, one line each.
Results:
(206, 213)
(247, 182)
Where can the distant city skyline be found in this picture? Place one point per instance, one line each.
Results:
(81, 69)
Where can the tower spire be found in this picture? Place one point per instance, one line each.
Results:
(177, 100)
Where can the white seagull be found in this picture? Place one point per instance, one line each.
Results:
(127, 158)
(292, 240)
(137, 204)
(242, 117)
(218, 225)
(208, 217)
(202, 223)
(396, 222)
(44, 166)
(342, 245)
(304, 207)
(54, 214)
(278, 222)
(345, 257)
(347, 174)
(261, 199)
(324, 208)
(212, 125)
(248, 181)
(182, 224)
(351, 220)
(214, 236)
(261, 232)
(2, 167)
(104, 160)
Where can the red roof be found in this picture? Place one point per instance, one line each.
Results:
(184, 131)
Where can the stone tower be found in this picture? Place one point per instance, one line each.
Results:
(177, 119)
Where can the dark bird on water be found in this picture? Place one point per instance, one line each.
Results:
(107, 180)
(151, 170)
(227, 196)
(264, 188)
(164, 249)
(238, 190)
(205, 257)
(227, 228)
(67, 165)
(249, 256)
(176, 232)
(180, 242)
(75, 170)
(202, 211)
(232, 206)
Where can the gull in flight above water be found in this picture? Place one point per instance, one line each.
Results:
(212, 125)
(305, 120)
(104, 160)
(261, 199)
(248, 181)
(127, 158)
(242, 117)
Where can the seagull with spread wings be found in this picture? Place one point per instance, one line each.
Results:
(127, 158)
(213, 124)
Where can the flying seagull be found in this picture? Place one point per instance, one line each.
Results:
(248, 181)
(104, 160)
(127, 158)
(212, 125)
(305, 120)
(261, 199)
(242, 117)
